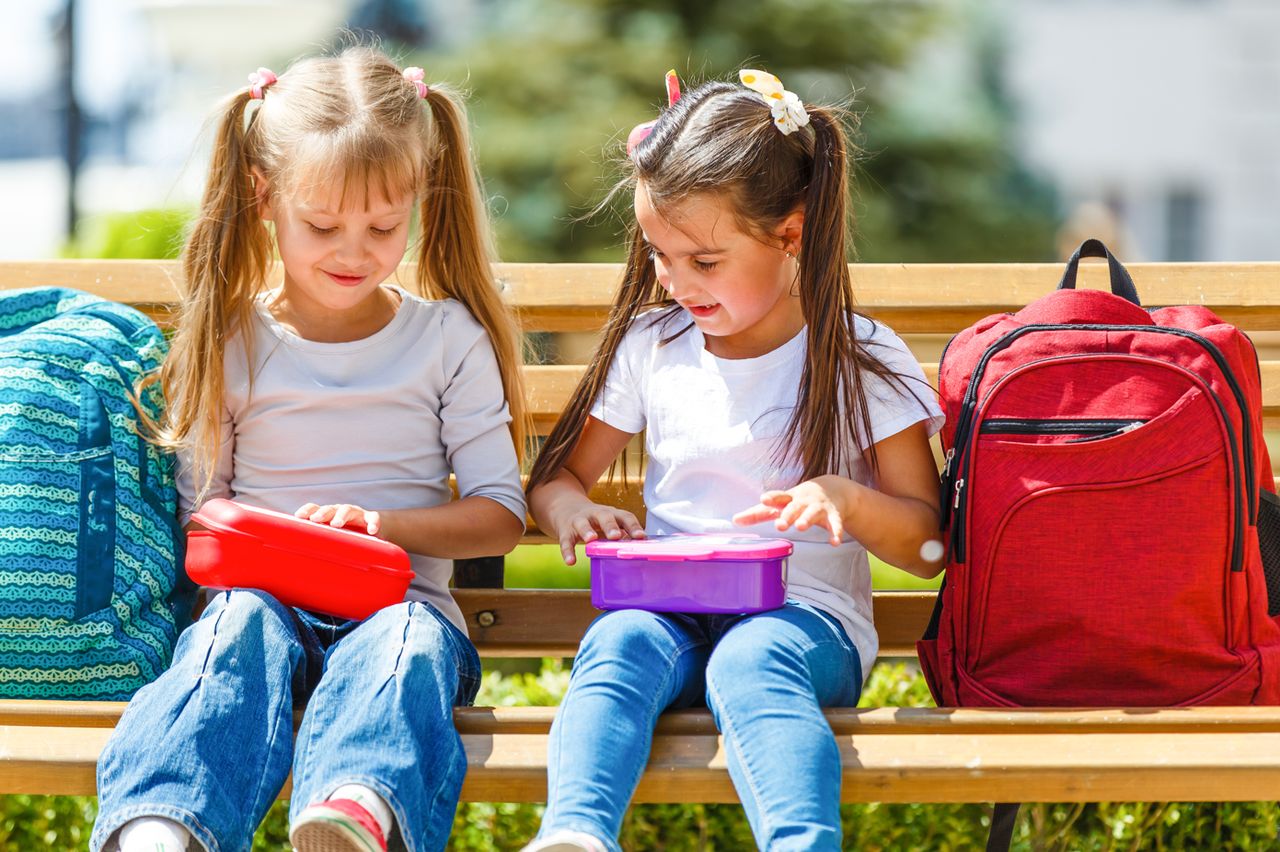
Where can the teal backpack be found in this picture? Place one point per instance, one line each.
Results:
(92, 593)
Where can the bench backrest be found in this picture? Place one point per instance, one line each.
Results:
(926, 303)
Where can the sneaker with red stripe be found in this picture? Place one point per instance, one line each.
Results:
(338, 825)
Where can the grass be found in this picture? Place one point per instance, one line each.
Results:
(539, 566)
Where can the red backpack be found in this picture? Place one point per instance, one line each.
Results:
(1104, 494)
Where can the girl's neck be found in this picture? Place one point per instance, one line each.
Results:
(313, 321)
(773, 330)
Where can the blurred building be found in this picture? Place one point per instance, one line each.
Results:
(1166, 112)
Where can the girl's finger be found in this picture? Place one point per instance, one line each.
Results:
(776, 498)
(634, 528)
(608, 524)
(306, 510)
(755, 515)
(791, 511)
(809, 516)
(322, 514)
(567, 552)
(372, 522)
(582, 526)
(340, 516)
(835, 523)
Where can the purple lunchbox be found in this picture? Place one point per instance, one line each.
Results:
(690, 573)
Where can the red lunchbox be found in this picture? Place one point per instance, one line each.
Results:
(301, 563)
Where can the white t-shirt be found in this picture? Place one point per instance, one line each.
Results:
(712, 432)
(378, 422)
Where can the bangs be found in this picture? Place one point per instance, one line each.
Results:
(360, 168)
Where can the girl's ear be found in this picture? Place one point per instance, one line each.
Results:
(261, 195)
(790, 230)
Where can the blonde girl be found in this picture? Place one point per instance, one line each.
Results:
(348, 400)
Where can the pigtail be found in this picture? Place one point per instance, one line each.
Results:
(639, 289)
(454, 259)
(826, 298)
(821, 433)
(224, 266)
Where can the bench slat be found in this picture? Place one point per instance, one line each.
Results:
(549, 388)
(550, 623)
(889, 755)
(910, 297)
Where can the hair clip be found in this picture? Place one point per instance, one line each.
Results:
(416, 75)
(789, 114)
(259, 81)
(641, 131)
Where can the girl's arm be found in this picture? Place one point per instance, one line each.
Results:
(893, 520)
(562, 507)
(462, 529)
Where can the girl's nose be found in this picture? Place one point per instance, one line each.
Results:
(666, 280)
(352, 250)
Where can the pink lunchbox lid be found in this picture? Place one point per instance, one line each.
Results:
(693, 548)
(303, 537)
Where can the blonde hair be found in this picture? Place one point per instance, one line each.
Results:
(356, 116)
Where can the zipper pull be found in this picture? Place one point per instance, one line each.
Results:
(946, 462)
(959, 488)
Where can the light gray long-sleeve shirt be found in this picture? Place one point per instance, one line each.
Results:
(378, 422)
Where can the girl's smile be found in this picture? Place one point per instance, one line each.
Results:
(336, 252)
(736, 286)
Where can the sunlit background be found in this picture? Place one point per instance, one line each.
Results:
(991, 129)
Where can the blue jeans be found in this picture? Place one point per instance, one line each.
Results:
(765, 678)
(210, 744)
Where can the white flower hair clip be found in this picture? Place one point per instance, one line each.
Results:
(789, 114)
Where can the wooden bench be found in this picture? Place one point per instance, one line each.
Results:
(889, 754)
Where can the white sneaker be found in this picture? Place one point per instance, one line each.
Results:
(566, 841)
(153, 834)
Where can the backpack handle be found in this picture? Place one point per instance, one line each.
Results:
(1121, 282)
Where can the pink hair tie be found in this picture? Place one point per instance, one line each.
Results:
(641, 131)
(416, 75)
(258, 82)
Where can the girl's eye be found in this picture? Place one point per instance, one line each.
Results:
(384, 232)
(705, 266)
(318, 230)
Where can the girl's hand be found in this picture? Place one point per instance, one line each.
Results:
(341, 515)
(819, 502)
(591, 521)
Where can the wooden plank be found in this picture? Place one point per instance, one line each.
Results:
(845, 720)
(969, 755)
(912, 298)
(550, 623)
(549, 387)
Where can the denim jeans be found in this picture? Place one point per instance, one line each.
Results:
(765, 678)
(211, 742)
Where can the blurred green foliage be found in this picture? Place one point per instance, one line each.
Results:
(556, 86)
(138, 235)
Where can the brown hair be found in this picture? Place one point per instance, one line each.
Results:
(720, 139)
(353, 115)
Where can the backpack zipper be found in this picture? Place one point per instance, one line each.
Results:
(953, 481)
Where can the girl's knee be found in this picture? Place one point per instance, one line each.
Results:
(411, 633)
(245, 612)
(627, 633)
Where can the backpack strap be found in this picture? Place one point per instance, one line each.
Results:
(1121, 282)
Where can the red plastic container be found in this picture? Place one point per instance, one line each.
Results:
(301, 563)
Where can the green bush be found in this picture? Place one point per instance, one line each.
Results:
(63, 823)
(138, 235)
